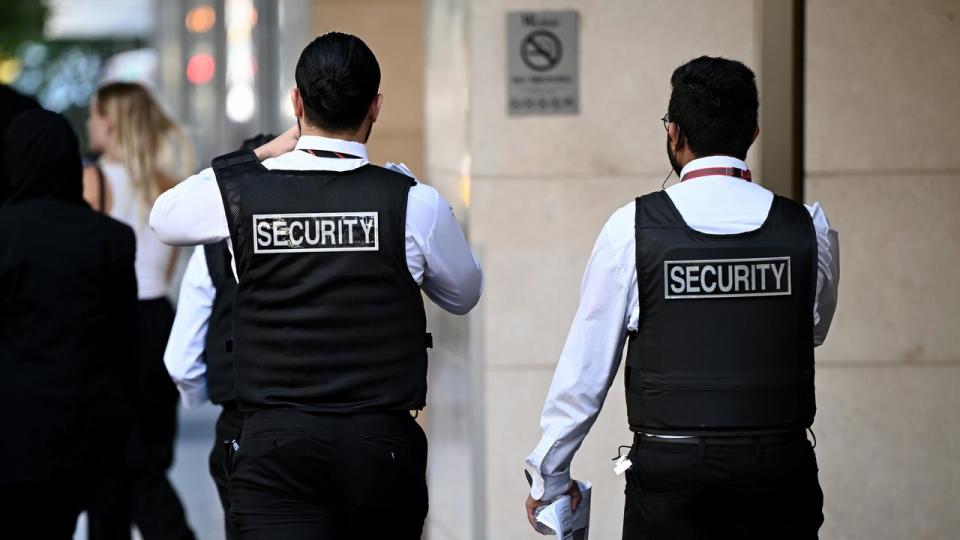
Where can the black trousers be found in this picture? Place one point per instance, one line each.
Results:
(716, 491)
(228, 428)
(47, 510)
(138, 490)
(329, 477)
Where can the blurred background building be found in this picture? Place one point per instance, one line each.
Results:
(859, 110)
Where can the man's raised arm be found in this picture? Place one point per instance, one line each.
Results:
(190, 213)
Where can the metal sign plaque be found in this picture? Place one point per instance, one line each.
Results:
(543, 62)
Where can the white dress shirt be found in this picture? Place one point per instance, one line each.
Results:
(184, 357)
(438, 256)
(610, 308)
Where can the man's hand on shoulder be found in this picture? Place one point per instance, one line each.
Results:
(284, 143)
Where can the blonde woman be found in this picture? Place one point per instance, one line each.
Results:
(131, 133)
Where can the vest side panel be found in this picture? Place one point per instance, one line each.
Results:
(219, 340)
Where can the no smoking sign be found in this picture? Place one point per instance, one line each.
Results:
(542, 63)
(541, 50)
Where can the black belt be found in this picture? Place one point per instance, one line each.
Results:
(715, 440)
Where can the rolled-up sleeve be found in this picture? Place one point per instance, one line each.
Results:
(438, 255)
(828, 273)
(184, 356)
(191, 212)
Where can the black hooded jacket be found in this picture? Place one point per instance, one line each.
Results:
(67, 310)
(12, 103)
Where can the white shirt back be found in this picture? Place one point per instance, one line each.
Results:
(127, 206)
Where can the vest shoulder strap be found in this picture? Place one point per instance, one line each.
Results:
(234, 163)
(393, 174)
(654, 211)
(787, 213)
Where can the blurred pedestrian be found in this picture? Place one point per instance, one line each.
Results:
(12, 103)
(67, 311)
(132, 134)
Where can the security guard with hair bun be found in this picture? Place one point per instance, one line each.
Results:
(329, 332)
(721, 291)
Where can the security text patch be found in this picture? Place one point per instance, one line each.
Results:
(298, 233)
(727, 278)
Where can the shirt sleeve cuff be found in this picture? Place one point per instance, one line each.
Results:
(545, 487)
(194, 394)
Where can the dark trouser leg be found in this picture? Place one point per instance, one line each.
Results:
(743, 492)
(47, 510)
(384, 474)
(787, 501)
(662, 506)
(142, 496)
(320, 477)
(228, 427)
(146, 497)
(154, 505)
(108, 516)
(156, 508)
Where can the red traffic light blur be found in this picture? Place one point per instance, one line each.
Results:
(200, 68)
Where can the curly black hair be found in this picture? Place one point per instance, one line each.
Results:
(715, 105)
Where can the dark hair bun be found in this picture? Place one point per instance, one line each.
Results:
(338, 77)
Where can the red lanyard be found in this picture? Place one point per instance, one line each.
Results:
(743, 174)
(329, 154)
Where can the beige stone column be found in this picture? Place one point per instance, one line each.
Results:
(882, 115)
(456, 429)
(779, 69)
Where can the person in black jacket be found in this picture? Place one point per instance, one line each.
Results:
(12, 103)
(67, 308)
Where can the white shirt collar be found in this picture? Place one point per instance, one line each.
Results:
(713, 161)
(316, 142)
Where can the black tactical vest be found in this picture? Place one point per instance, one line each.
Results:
(725, 340)
(327, 317)
(218, 347)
